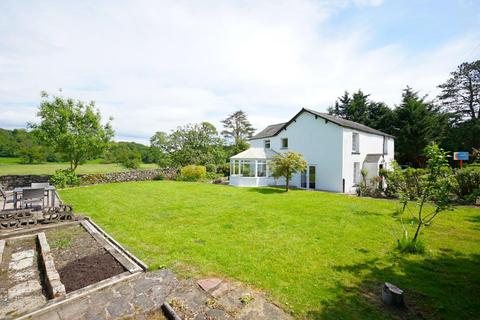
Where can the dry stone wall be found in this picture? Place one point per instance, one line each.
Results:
(13, 181)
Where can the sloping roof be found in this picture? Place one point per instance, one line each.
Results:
(273, 130)
(348, 123)
(255, 153)
(269, 131)
(373, 157)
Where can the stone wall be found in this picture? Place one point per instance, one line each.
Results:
(12, 181)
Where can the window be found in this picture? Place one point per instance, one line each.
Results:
(261, 169)
(356, 172)
(269, 168)
(285, 143)
(248, 168)
(303, 179)
(355, 143)
(266, 144)
(385, 145)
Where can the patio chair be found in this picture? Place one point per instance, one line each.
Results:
(31, 196)
(5, 197)
(40, 184)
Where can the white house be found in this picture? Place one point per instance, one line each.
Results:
(336, 150)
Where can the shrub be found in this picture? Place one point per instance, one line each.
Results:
(64, 177)
(32, 154)
(211, 168)
(192, 173)
(407, 245)
(224, 169)
(467, 180)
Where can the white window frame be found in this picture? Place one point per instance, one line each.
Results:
(282, 143)
(265, 142)
(385, 145)
(355, 144)
(356, 173)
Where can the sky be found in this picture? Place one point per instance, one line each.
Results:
(156, 65)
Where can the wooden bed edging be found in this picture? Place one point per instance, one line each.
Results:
(118, 245)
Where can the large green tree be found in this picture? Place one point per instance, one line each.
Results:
(359, 108)
(237, 128)
(460, 96)
(461, 92)
(190, 144)
(72, 128)
(416, 123)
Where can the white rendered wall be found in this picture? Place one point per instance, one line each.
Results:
(369, 144)
(319, 142)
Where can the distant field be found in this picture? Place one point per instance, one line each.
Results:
(13, 166)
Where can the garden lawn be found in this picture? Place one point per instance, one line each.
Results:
(13, 166)
(320, 255)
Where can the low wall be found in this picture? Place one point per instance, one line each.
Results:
(13, 181)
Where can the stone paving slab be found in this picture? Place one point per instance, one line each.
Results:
(132, 298)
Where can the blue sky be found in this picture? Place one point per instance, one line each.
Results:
(154, 65)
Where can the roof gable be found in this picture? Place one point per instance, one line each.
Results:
(273, 130)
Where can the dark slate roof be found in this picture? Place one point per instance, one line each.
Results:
(274, 129)
(373, 157)
(348, 123)
(269, 131)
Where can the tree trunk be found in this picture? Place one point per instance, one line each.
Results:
(286, 185)
(420, 222)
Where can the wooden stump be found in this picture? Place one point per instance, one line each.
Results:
(392, 295)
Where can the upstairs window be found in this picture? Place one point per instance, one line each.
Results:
(355, 143)
(285, 143)
(266, 144)
(385, 145)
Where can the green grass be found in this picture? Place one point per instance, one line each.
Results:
(13, 166)
(320, 255)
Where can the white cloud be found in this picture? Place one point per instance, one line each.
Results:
(156, 65)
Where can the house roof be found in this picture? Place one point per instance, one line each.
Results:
(273, 130)
(269, 131)
(256, 153)
(373, 157)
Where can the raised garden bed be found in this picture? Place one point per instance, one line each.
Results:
(49, 264)
(80, 259)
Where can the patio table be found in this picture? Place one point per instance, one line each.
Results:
(49, 189)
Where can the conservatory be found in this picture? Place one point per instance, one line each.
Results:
(250, 168)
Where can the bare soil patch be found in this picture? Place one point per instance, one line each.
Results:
(80, 259)
(88, 270)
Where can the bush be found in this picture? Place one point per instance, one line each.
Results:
(32, 154)
(224, 169)
(407, 245)
(192, 173)
(64, 177)
(211, 168)
(467, 180)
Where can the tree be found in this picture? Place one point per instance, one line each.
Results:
(286, 165)
(416, 124)
(127, 155)
(437, 186)
(360, 109)
(160, 149)
(72, 128)
(461, 93)
(191, 144)
(237, 127)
